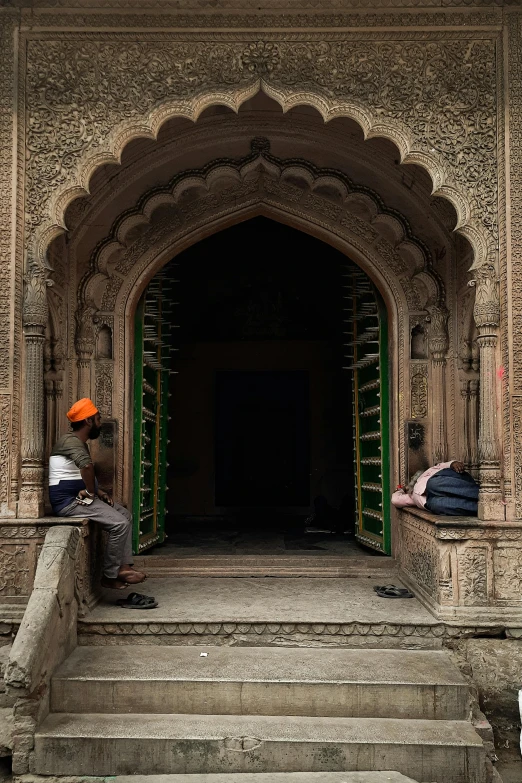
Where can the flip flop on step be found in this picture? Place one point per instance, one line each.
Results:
(384, 587)
(390, 591)
(138, 601)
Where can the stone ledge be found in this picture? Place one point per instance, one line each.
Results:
(43, 522)
(464, 527)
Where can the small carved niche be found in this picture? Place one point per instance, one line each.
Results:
(418, 342)
(104, 343)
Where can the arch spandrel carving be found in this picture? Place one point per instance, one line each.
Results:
(440, 113)
(327, 194)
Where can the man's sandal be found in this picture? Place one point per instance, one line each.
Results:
(138, 601)
(390, 591)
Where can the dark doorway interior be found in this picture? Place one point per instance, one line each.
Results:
(262, 438)
(261, 417)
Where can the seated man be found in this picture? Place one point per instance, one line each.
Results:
(72, 484)
(445, 489)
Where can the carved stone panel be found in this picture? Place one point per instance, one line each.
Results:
(15, 570)
(419, 391)
(111, 88)
(103, 385)
(507, 569)
(5, 420)
(472, 575)
(419, 557)
(517, 444)
(7, 64)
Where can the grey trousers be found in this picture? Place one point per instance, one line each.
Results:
(117, 521)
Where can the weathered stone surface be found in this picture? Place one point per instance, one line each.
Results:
(496, 666)
(47, 634)
(68, 744)
(496, 670)
(261, 681)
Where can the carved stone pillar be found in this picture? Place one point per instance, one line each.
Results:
(438, 345)
(487, 318)
(473, 423)
(84, 344)
(35, 314)
(464, 393)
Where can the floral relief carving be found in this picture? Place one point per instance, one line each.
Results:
(472, 564)
(5, 426)
(515, 280)
(6, 158)
(419, 391)
(14, 570)
(419, 558)
(103, 391)
(485, 17)
(436, 98)
(507, 566)
(517, 445)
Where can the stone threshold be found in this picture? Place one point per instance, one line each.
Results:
(280, 565)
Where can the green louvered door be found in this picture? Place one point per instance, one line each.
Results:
(153, 346)
(368, 352)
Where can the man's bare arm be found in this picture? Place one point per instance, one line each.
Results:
(88, 477)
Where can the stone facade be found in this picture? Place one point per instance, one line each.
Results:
(435, 90)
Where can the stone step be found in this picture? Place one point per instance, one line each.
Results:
(268, 612)
(314, 682)
(137, 744)
(271, 777)
(280, 565)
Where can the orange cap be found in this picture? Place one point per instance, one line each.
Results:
(82, 409)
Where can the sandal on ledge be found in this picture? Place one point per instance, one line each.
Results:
(138, 601)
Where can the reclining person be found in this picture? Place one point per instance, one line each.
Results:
(445, 489)
(74, 492)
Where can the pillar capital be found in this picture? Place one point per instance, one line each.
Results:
(84, 337)
(438, 339)
(35, 310)
(486, 310)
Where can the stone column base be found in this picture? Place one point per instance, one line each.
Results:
(463, 569)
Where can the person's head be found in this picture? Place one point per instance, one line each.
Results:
(413, 480)
(85, 418)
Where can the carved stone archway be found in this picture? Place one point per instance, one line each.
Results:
(341, 75)
(324, 203)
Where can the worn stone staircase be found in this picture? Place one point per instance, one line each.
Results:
(260, 714)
